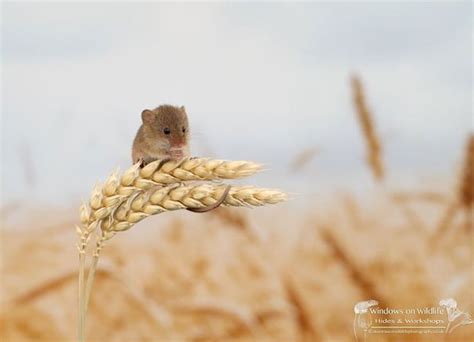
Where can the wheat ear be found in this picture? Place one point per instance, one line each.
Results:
(124, 200)
(105, 198)
(182, 196)
(365, 118)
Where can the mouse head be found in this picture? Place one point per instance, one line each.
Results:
(169, 124)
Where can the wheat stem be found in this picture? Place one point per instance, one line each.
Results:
(84, 236)
(92, 271)
(81, 312)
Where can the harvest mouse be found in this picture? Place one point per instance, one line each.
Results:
(164, 135)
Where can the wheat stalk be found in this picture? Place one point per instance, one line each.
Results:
(163, 185)
(365, 117)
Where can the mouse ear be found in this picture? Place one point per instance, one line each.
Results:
(183, 109)
(148, 116)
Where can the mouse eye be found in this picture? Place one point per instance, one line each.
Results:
(166, 130)
(184, 129)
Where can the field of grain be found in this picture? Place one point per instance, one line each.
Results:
(289, 272)
(230, 274)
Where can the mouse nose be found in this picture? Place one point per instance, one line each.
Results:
(178, 144)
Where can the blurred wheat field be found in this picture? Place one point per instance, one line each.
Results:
(230, 274)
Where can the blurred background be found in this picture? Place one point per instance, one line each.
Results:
(260, 82)
(279, 83)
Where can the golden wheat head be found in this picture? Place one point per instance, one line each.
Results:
(105, 198)
(184, 196)
(365, 118)
(164, 185)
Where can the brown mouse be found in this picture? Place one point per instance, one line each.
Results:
(164, 134)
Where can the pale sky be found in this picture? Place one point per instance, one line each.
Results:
(259, 81)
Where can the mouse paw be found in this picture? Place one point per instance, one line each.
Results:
(145, 161)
